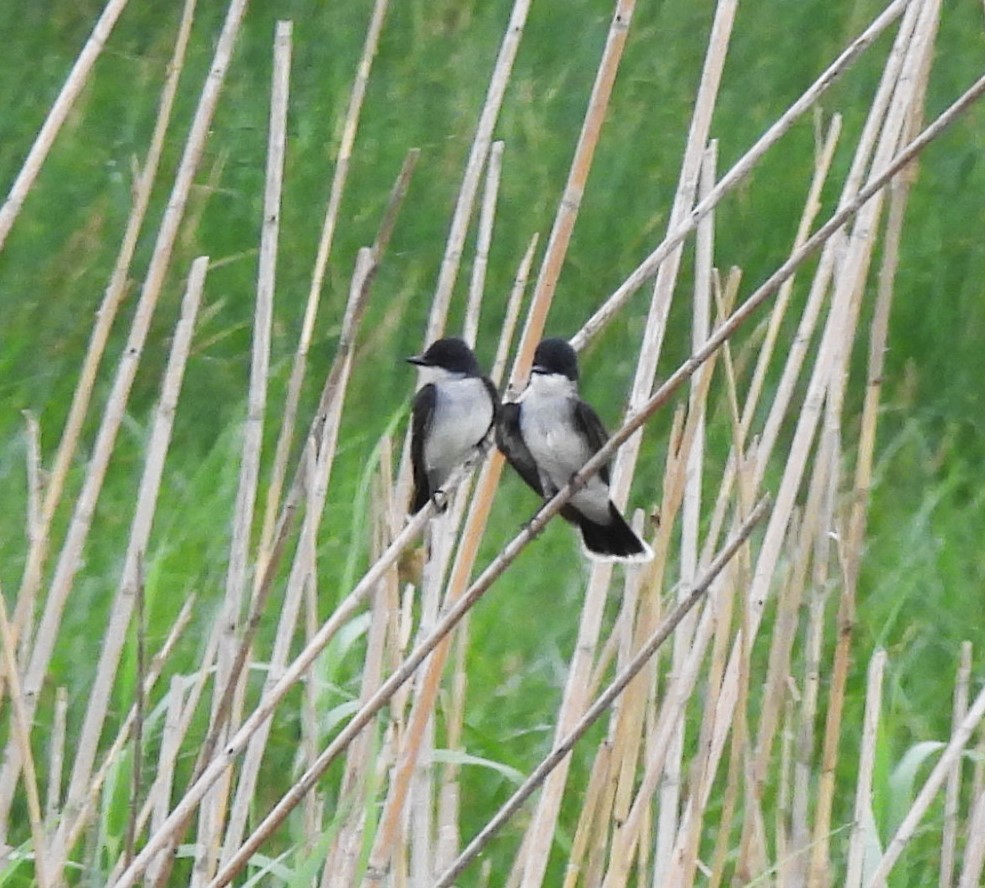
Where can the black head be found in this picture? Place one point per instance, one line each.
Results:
(450, 354)
(556, 356)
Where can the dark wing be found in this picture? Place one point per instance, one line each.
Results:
(422, 413)
(588, 422)
(497, 405)
(511, 443)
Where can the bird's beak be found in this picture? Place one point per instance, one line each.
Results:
(538, 368)
(416, 359)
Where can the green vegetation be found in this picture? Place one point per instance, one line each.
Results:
(920, 593)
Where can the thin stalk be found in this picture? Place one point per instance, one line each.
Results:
(502, 70)
(952, 792)
(339, 178)
(127, 594)
(214, 809)
(649, 266)
(863, 787)
(73, 829)
(605, 700)
(906, 829)
(74, 84)
(71, 555)
(22, 738)
(106, 313)
(487, 215)
(414, 527)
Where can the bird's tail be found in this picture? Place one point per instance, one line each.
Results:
(614, 541)
(419, 499)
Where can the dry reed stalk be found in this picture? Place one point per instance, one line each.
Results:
(502, 70)
(160, 793)
(626, 725)
(686, 846)
(325, 433)
(822, 278)
(685, 850)
(58, 114)
(605, 700)
(427, 688)
(309, 704)
(56, 759)
(783, 812)
(812, 206)
(125, 600)
(906, 100)
(544, 822)
(105, 316)
(339, 178)
(513, 310)
(594, 819)
(861, 836)
(978, 773)
(69, 832)
(449, 798)
(487, 215)
(649, 266)
(829, 459)
(303, 567)
(659, 398)
(574, 189)
(831, 351)
(630, 729)
(931, 132)
(342, 856)
(265, 708)
(785, 624)
(31, 586)
(670, 789)
(214, 806)
(974, 852)
(139, 716)
(21, 731)
(70, 556)
(541, 829)
(824, 154)
(953, 750)
(952, 792)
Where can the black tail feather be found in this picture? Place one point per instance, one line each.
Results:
(614, 541)
(419, 499)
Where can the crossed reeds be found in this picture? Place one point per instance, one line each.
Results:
(647, 813)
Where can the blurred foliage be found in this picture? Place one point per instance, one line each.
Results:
(922, 581)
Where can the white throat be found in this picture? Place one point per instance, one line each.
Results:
(551, 385)
(436, 374)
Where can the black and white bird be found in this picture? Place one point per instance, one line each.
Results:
(548, 435)
(451, 416)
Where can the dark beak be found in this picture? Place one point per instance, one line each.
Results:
(538, 368)
(417, 359)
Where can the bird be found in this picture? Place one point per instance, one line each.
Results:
(451, 416)
(548, 434)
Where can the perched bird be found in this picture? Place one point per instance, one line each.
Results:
(452, 415)
(548, 435)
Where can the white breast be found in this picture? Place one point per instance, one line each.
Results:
(462, 416)
(557, 445)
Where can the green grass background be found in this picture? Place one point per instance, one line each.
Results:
(922, 585)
